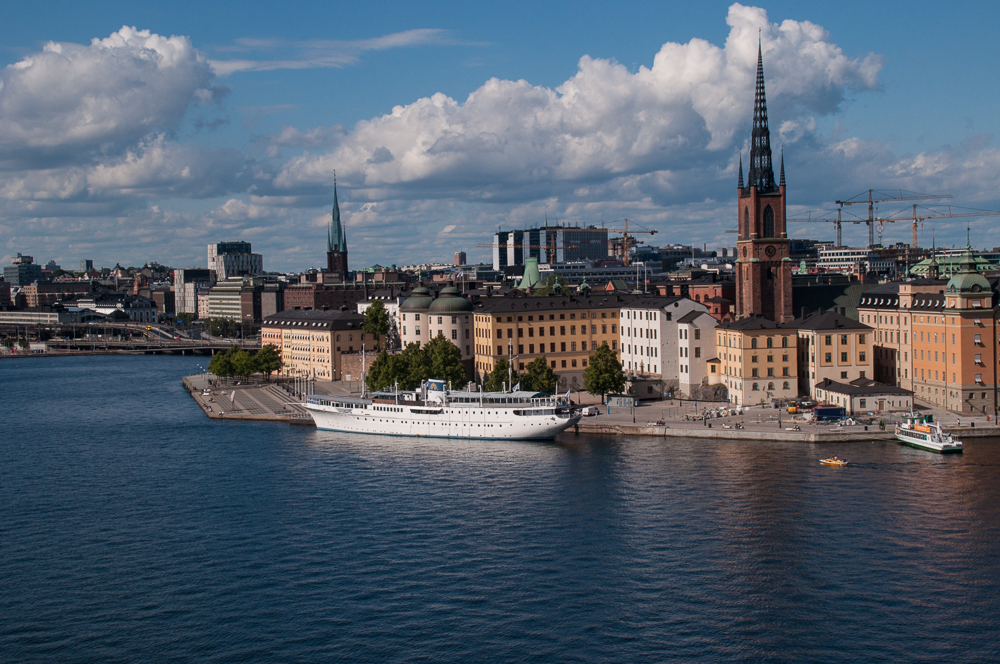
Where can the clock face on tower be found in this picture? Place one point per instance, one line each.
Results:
(770, 251)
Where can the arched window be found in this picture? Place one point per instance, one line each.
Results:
(785, 385)
(768, 222)
(746, 219)
(754, 387)
(753, 343)
(770, 342)
(784, 342)
(770, 386)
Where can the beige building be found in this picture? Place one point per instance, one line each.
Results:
(832, 347)
(423, 317)
(311, 342)
(758, 360)
(695, 347)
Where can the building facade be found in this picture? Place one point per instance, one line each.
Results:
(187, 283)
(311, 343)
(22, 271)
(649, 336)
(832, 347)
(758, 360)
(695, 347)
(228, 260)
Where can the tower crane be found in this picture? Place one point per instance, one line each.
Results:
(883, 197)
(824, 220)
(914, 217)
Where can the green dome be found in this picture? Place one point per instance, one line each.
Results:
(968, 282)
(420, 299)
(450, 301)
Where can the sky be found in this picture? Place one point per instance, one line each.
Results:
(134, 131)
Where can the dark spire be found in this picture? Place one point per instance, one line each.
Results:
(781, 178)
(761, 173)
(739, 183)
(336, 238)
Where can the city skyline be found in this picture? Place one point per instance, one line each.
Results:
(145, 146)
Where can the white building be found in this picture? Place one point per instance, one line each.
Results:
(851, 260)
(649, 337)
(695, 347)
(233, 259)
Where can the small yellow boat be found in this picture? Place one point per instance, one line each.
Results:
(840, 463)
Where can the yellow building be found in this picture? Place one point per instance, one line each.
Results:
(565, 329)
(832, 347)
(758, 360)
(312, 341)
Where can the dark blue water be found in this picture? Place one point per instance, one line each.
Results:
(132, 528)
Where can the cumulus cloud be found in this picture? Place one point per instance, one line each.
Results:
(72, 103)
(606, 121)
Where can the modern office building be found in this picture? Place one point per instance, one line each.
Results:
(550, 244)
(22, 271)
(233, 259)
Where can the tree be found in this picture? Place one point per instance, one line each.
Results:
(550, 286)
(221, 364)
(268, 360)
(604, 372)
(444, 362)
(243, 363)
(382, 373)
(501, 376)
(376, 320)
(539, 377)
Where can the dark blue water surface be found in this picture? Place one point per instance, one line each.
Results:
(132, 528)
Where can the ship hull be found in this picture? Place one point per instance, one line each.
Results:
(468, 423)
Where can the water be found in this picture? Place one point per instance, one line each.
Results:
(132, 528)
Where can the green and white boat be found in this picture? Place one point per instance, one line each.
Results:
(918, 431)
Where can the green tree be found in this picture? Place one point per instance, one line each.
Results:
(604, 372)
(538, 376)
(268, 360)
(376, 320)
(221, 364)
(499, 377)
(444, 362)
(243, 363)
(550, 285)
(382, 372)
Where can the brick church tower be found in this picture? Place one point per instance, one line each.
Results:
(336, 243)
(763, 269)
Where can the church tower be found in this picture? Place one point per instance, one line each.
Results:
(336, 243)
(763, 269)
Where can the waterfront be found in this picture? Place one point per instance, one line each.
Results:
(136, 529)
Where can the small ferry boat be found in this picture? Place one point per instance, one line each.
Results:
(436, 412)
(917, 431)
(834, 461)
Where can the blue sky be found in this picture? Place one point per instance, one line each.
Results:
(144, 148)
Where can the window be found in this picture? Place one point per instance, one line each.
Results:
(572, 346)
(843, 357)
(977, 339)
(593, 329)
(753, 373)
(828, 341)
(979, 378)
(770, 342)
(564, 364)
(862, 403)
(574, 362)
(697, 351)
(754, 387)
(531, 349)
(562, 346)
(416, 316)
(613, 327)
(753, 358)
(753, 343)
(784, 342)
(499, 350)
(843, 374)
(520, 332)
(843, 340)
(454, 334)
(541, 332)
(861, 339)
(604, 329)
(614, 345)
(861, 356)
(784, 371)
(768, 222)
(784, 385)
(562, 330)
(531, 331)
(510, 333)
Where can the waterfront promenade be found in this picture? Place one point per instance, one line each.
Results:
(673, 419)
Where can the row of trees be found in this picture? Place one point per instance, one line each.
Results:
(439, 359)
(238, 362)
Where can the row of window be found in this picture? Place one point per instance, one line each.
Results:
(729, 342)
(552, 331)
(572, 316)
(480, 348)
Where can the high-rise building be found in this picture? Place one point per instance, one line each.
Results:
(233, 259)
(549, 244)
(764, 269)
(22, 271)
(460, 258)
(336, 243)
(187, 284)
(86, 265)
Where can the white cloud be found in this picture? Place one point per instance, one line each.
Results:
(604, 122)
(72, 103)
(321, 53)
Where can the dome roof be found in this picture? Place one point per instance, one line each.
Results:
(450, 301)
(419, 300)
(968, 282)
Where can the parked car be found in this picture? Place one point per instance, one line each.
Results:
(589, 411)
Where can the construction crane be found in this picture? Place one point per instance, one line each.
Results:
(914, 217)
(884, 197)
(824, 220)
(625, 240)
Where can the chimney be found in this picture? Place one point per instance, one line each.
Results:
(803, 314)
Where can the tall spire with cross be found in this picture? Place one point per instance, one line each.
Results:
(761, 174)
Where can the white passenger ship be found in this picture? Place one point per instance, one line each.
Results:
(434, 411)
(915, 431)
